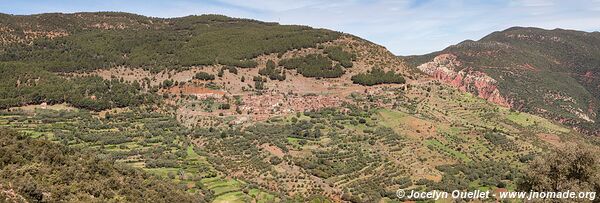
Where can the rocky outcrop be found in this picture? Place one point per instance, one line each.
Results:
(448, 69)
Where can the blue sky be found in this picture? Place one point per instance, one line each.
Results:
(405, 27)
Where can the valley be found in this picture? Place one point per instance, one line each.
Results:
(283, 114)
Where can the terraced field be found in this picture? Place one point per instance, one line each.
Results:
(153, 142)
(359, 152)
(363, 152)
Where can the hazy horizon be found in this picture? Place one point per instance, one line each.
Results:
(407, 27)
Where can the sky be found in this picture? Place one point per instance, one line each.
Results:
(405, 27)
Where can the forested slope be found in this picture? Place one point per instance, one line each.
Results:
(88, 41)
(33, 48)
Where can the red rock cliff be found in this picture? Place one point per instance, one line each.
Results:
(447, 69)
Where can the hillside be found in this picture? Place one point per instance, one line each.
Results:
(143, 50)
(88, 41)
(139, 90)
(553, 73)
(35, 170)
(237, 110)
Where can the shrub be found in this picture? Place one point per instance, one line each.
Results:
(204, 76)
(313, 65)
(232, 69)
(378, 76)
(571, 167)
(275, 160)
(272, 71)
(337, 54)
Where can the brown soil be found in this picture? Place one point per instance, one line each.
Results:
(273, 150)
(551, 139)
(197, 91)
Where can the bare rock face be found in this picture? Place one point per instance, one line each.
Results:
(448, 69)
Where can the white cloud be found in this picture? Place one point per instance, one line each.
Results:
(434, 25)
(532, 3)
(271, 5)
(403, 26)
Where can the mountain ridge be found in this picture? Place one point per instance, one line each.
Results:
(544, 59)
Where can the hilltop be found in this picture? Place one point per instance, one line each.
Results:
(143, 50)
(553, 73)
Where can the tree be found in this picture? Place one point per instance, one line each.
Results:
(275, 160)
(572, 167)
(259, 82)
(344, 58)
(221, 72)
(167, 44)
(272, 71)
(204, 76)
(314, 65)
(378, 76)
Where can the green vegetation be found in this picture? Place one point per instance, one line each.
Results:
(461, 176)
(313, 65)
(531, 121)
(259, 82)
(437, 145)
(151, 43)
(499, 139)
(272, 71)
(41, 171)
(204, 76)
(378, 76)
(337, 54)
(232, 69)
(549, 72)
(573, 168)
(22, 84)
(335, 156)
(421, 136)
(153, 142)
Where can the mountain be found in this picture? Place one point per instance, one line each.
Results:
(88, 41)
(238, 110)
(81, 43)
(553, 73)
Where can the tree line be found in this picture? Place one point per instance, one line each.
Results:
(314, 65)
(42, 171)
(378, 76)
(25, 84)
(176, 43)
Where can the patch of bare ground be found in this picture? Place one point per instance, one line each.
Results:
(102, 114)
(303, 182)
(30, 35)
(274, 150)
(31, 108)
(8, 194)
(199, 92)
(551, 139)
(368, 56)
(282, 97)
